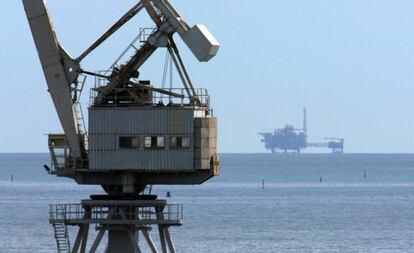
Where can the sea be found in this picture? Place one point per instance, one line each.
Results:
(259, 203)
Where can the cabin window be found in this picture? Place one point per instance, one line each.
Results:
(179, 142)
(154, 142)
(128, 142)
(60, 155)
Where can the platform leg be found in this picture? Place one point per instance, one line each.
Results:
(84, 238)
(85, 231)
(169, 240)
(98, 240)
(160, 216)
(149, 240)
(78, 239)
(132, 237)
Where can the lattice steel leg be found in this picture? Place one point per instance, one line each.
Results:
(160, 216)
(98, 240)
(78, 239)
(149, 240)
(124, 220)
(84, 238)
(169, 240)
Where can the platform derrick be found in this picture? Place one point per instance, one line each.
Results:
(138, 134)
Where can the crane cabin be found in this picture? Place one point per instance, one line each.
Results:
(138, 133)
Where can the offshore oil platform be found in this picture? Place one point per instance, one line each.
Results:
(291, 139)
(139, 134)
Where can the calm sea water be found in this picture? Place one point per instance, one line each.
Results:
(346, 212)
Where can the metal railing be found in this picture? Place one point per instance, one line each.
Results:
(120, 97)
(135, 44)
(171, 214)
(145, 33)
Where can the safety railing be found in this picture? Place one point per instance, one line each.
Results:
(135, 44)
(171, 214)
(142, 95)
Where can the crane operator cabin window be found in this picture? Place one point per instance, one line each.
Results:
(179, 142)
(128, 142)
(154, 142)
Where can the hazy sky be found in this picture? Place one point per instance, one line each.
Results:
(350, 62)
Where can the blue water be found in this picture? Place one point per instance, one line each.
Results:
(346, 212)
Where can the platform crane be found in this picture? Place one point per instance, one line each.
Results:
(336, 145)
(132, 141)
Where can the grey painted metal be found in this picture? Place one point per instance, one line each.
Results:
(122, 237)
(61, 70)
(122, 21)
(97, 241)
(56, 65)
(130, 170)
(61, 236)
(141, 120)
(102, 212)
(52, 54)
(129, 69)
(181, 62)
(169, 240)
(150, 161)
(78, 239)
(84, 238)
(200, 41)
(134, 243)
(205, 142)
(206, 45)
(161, 229)
(181, 71)
(106, 125)
(149, 240)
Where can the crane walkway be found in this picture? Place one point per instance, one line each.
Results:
(116, 212)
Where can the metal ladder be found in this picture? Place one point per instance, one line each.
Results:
(78, 106)
(62, 238)
(135, 45)
(80, 118)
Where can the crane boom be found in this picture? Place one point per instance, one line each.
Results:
(59, 68)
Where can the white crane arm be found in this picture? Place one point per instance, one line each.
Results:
(59, 69)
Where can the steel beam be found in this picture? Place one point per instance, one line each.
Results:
(122, 21)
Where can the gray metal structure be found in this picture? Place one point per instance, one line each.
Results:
(289, 139)
(134, 139)
(124, 221)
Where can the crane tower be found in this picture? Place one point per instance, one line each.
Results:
(138, 134)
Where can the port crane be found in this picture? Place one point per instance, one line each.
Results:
(133, 140)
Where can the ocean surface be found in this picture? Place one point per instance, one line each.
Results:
(310, 203)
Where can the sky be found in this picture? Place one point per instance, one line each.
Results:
(349, 62)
